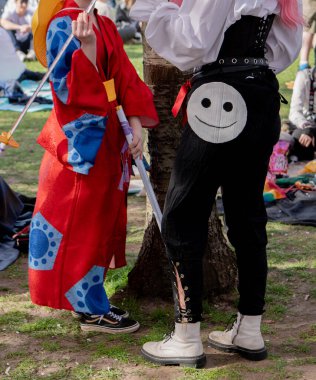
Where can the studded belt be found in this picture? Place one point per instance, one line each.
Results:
(229, 65)
(240, 61)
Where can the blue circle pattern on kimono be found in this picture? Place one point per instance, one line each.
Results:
(58, 33)
(88, 295)
(44, 243)
(84, 140)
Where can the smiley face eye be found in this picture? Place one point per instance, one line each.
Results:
(206, 103)
(228, 106)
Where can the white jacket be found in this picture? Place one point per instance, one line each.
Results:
(299, 109)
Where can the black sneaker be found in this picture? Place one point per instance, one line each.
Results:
(110, 323)
(114, 309)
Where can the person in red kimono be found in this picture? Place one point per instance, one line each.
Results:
(78, 230)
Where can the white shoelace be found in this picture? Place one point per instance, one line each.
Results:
(112, 315)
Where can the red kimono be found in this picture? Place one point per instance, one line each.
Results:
(78, 228)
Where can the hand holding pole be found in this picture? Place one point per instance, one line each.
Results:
(140, 166)
(6, 137)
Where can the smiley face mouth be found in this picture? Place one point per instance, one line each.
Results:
(214, 126)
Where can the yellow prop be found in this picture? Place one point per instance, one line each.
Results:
(110, 89)
(7, 139)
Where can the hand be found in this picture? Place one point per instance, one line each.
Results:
(82, 28)
(136, 147)
(25, 28)
(306, 140)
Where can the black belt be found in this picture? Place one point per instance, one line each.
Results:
(241, 61)
(229, 65)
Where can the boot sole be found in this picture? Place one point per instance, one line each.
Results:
(253, 355)
(107, 330)
(194, 362)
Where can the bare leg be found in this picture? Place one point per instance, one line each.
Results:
(306, 46)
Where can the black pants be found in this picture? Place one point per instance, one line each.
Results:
(25, 45)
(240, 167)
(30, 75)
(303, 153)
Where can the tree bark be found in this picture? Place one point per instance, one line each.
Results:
(150, 275)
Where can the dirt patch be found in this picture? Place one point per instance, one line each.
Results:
(62, 351)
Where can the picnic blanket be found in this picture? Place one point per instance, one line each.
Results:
(15, 213)
(28, 87)
(8, 253)
(298, 208)
(298, 205)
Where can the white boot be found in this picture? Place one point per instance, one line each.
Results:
(244, 338)
(182, 347)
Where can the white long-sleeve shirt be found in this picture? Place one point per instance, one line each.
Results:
(10, 65)
(300, 114)
(192, 35)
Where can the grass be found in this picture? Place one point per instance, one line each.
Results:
(25, 370)
(116, 280)
(214, 374)
(218, 316)
(117, 352)
(32, 370)
(47, 326)
(310, 335)
(13, 319)
(85, 372)
(135, 234)
(49, 345)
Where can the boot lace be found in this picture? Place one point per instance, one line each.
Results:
(168, 336)
(231, 322)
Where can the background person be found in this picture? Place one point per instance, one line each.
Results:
(11, 67)
(17, 22)
(309, 13)
(128, 28)
(302, 115)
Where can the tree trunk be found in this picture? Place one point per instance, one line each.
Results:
(150, 276)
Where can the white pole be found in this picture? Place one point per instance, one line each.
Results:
(142, 171)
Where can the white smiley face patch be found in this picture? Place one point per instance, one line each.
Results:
(217, 112)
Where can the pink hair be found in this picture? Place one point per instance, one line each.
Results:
(290, 14)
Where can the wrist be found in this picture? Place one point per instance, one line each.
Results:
(90, 51)
(88, 43)
(136, 127)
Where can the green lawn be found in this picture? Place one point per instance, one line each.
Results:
(40, 343)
